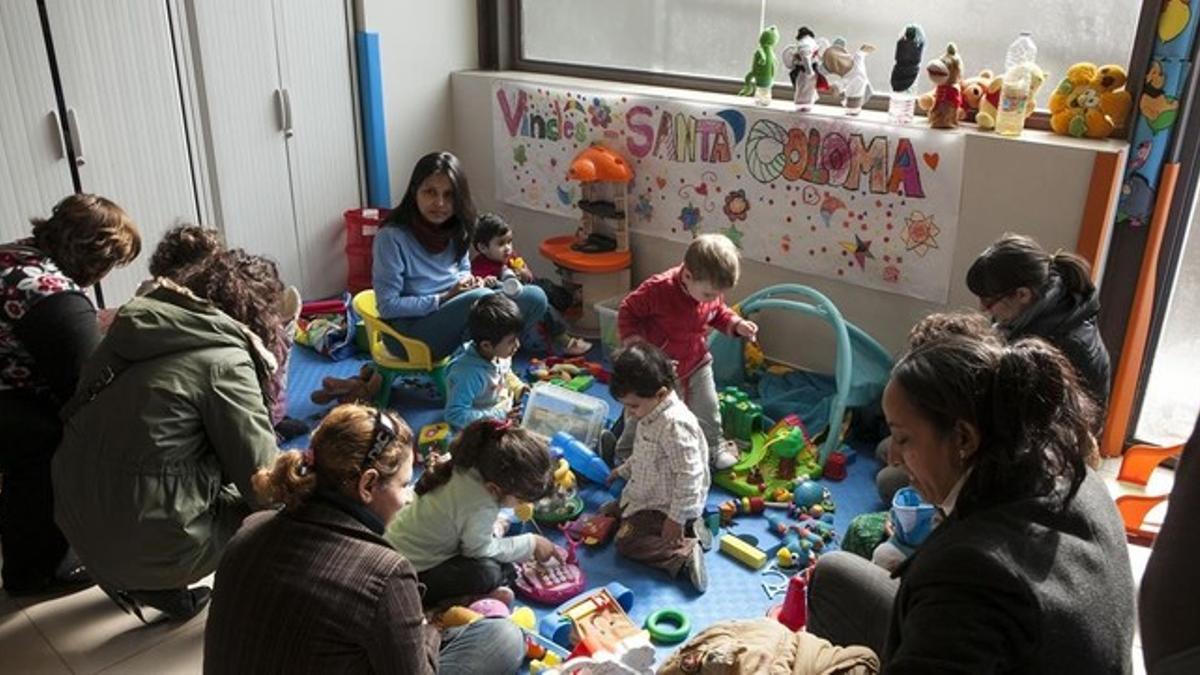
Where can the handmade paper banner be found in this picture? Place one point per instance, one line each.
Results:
(865, 203)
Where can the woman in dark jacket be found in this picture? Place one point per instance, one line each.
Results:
(1029, 571)
(1029, 292)
(315, 588)
(48, 329)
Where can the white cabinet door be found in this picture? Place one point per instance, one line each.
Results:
(243, 108)
(116, 63)
(317, 70)
(34, 170)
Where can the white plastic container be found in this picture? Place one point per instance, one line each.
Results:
(552, 408)
(606, 313)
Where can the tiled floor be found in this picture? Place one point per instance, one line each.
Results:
(86, 633)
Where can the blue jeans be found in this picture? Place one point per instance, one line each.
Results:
(444, 330)
(482, 648)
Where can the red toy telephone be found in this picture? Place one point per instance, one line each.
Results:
(553, 581)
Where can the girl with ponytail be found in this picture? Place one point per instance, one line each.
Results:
(1029, 571)
(1029, 292)
(447, 534)
(314, 587)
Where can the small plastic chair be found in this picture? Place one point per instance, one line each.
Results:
(1137, 465)
(418, 357)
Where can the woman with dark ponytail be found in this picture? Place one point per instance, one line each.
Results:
(316, 588)
(447, 534)
(1029, 571)
(1029, 292)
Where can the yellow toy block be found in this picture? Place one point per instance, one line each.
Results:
(743, 552)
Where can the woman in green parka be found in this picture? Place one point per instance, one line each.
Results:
(169, 422)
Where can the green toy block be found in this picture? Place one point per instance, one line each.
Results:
(580, 383)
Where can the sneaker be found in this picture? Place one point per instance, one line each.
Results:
(702, 534)
(696, 569)
(727, 456)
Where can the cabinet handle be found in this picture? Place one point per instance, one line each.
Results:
(281, 111)
(76, 142)
(60, 142)
(288, 131)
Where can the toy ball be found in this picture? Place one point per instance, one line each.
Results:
(490, 608)
(816, 510)
(524, 617)
(807, 494)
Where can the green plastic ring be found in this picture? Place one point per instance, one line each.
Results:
(668, 626)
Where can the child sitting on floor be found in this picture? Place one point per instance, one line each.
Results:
(447, 533)
(667, 474)
(479, 380)
(673, 310)
(495, 260)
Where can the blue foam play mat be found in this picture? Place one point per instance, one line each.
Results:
(734, 591)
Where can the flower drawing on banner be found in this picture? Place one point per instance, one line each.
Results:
(861, 250)
(519, 155)
(689, 217)
(736, 205)
(643, 209)
(734, 235)
(830, 206)
(601, 113)
(920, 233)
(891, 274)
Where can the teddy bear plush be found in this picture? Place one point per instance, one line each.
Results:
(1090, 101)
(990, 105)
(973, 90)
(946, 73)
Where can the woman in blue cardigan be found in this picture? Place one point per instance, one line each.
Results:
(422, 274)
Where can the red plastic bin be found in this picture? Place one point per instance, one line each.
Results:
(361, 226)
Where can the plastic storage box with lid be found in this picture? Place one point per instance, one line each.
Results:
(552, 408)
(610, 337)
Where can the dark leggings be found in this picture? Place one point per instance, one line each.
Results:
(31, 542)
(459, 576)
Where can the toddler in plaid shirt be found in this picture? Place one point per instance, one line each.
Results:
(667, 474)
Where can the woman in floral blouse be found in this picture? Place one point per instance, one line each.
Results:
(47, 330)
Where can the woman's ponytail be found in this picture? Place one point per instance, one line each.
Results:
(289, 481)
(1075, 272)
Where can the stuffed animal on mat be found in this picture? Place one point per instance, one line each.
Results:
(945, 72)
(1090, 101)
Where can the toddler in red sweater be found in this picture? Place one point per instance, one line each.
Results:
(673, 310)
(495, 260)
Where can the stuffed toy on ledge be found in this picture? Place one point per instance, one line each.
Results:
(1090, 101)
(761, 77)
(973, 90)
(989, 107)
(946, 73)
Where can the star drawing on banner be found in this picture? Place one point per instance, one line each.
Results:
(920, 233)
(861, 250)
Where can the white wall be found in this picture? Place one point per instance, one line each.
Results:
(1036, 185)
(420, 44)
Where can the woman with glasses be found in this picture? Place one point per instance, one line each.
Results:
(1030, 293)
(316, 588)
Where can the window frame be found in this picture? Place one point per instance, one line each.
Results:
(502, 19)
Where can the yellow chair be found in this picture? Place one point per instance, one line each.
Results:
(418, 359)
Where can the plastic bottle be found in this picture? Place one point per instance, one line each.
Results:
(1014, 95)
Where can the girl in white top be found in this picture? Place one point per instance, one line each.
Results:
(447, 533)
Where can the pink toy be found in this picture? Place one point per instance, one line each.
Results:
(793, 613)
(490, 608)
(552, 582)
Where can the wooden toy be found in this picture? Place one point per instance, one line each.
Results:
(742, 551)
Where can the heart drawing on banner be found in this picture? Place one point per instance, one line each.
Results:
(702, 189)
(932, 159)
(662, 182)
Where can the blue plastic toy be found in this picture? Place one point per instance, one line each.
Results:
(582, 460)
(808, 493)
(862, 365)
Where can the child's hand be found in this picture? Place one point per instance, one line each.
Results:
(671, 530)
(544, 549)
(525, 275)
(747, 329)
(514, 413)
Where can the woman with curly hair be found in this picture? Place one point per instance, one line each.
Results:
(168, 425)
(47, 330)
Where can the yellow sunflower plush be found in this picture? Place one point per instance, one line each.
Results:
(1090, 101)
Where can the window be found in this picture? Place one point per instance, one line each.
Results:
(1172, 398)
(715, 38)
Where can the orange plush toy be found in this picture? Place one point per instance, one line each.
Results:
(1090, 101)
